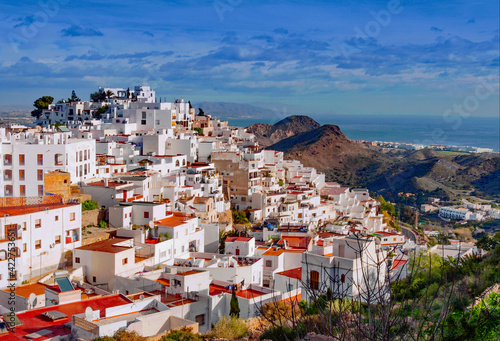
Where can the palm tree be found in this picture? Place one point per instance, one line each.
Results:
(109, 94)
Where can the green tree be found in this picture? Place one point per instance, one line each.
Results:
(89, 205)
(98, 96)
(74, 97)
(109, 94)
(41, 104)
(199, 130)
(234, 310)
(101, 110)
(386, 206)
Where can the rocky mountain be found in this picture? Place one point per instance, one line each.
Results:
(267, 134)
(387, 172)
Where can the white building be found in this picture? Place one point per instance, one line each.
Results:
(43, 233)
(27, 157)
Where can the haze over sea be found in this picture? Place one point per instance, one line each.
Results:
(454, 130)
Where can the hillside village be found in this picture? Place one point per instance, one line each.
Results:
(195, 212)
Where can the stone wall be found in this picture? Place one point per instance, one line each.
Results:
(92, 217)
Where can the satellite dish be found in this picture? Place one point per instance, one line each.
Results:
(151, 224)
(89, 314)
(32, 300)
(141, 297)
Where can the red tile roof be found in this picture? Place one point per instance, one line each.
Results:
(292, 273)
(32, 320)
(177, 219)
(296, 242)
(20, 210)
(398, 262)
(107, 246)
(238, 239)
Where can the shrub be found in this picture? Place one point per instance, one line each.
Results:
(89, 205)
(122, 335)
(183, 334)
(229, 328)
(102, 224)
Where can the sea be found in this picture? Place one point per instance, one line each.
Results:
(471, 131)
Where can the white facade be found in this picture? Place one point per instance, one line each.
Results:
(43, 234)
(25, 159)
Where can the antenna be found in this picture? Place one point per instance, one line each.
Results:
(141, 297)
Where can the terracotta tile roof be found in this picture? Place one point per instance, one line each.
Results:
(107, 246)
(26, 290)
(20, 210)
(238, 239)
(177, 219)
(273, 252)
(292, 273)
(295, 241)
(32, 320)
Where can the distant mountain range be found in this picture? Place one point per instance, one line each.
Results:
(388, 172)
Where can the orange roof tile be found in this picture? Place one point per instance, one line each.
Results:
(292, 273)
(107, 246)
(20, 210)
(177, 219)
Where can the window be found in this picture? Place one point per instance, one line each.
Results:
(40, 191)
(21, 160)
(22, 190)
(39, 159)
(342, 278)
(200, 319)
(143, 122)
(25, 247)
(39, 174)
(13, 275)
(182, 248)
(94, 279)
(314, 280)
(58, 159)
(24, 226)
(72, 216)
(38, 244)
(77, 260)
(56, 218)
(22, 175)
(269, 263)
(290, 287)
(38, 223)
(58, 239)
(146, 214)
(124, 261)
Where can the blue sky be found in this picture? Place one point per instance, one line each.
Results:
(371, 57)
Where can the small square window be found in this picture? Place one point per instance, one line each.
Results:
(77, 260)
(124, 261)
(38, 244)
(56, 218)
(58, 239)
